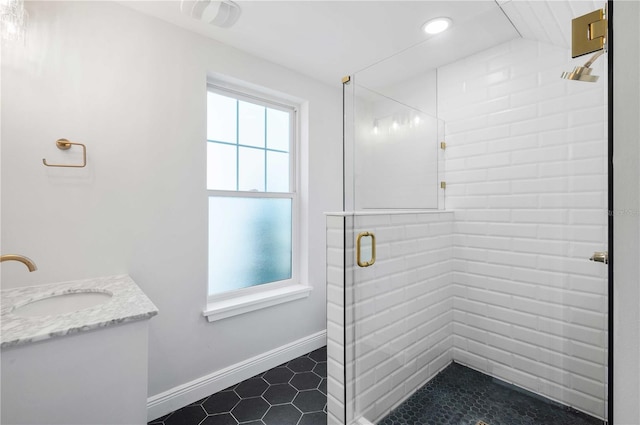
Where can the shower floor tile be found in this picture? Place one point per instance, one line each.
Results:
(462, 396)
(294, 393)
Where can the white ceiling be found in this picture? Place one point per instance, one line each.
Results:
(548, 21)
(328, 39)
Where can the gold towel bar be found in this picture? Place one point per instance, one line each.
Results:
(64, 144)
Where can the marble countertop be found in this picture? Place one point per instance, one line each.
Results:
(127, 303)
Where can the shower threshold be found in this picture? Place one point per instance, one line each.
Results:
(459, 395)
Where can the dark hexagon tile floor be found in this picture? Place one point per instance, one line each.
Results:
(294, 393)
(462, 396)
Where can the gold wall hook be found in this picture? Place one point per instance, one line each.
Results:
(64, 144)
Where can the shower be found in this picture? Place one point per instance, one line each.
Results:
(480, 177)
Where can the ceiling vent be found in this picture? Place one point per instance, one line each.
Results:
(219, 13)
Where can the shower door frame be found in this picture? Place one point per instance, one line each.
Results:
(610, 327)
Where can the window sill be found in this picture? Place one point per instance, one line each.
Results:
(222, 309)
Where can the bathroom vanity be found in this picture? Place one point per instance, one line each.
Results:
(75, 352)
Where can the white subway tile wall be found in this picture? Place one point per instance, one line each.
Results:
(335, 320)
(402, 308)
(526, 176)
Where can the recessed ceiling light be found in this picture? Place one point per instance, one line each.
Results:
(437, 25)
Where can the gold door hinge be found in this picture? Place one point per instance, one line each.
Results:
(346, 80)
(443, 185)
(588, 33)
(443, 145)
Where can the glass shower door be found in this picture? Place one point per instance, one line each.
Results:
(392, 182)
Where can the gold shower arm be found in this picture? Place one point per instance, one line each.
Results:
(593, 59)
(64, 144)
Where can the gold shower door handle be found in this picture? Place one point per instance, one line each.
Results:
(600, 257)
(372, 260)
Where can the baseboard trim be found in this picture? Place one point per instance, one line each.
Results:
(182, 395)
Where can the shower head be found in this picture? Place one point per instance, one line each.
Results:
(583, 73)
(580, 73)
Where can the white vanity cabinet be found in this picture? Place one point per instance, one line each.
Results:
(83, 367)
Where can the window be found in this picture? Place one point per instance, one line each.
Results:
(251, 184)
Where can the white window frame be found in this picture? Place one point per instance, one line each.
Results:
(231, 303)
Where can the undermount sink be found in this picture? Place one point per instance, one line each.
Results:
(68, 302)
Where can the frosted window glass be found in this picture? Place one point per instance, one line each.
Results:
(221, 118)
(251, 171)
(249, 242)
(221, 167)
(251, 126)
(277, 172)
(278, 130)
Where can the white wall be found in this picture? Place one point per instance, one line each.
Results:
(626, 230)
(133, 89)
(526, 176)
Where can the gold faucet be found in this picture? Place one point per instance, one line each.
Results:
(21, 258)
